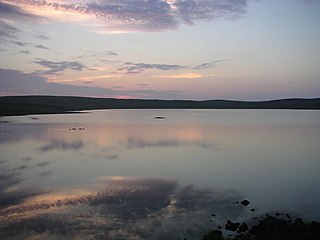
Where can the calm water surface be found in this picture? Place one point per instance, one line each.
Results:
(122, 174)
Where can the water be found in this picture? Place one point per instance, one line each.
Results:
(123, 174)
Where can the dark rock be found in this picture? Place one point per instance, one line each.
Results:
(243, 228)
(230, 226)
(252, 209)
(288, 216)
(277, 214)
(245, 203)
(213, 215)
(214, 235)
(272, 228)
(159, 117)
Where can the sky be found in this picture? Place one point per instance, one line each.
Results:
(161, 49)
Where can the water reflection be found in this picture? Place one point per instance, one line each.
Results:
(140, 143)
(9, 194)
(115, 208)
(47, 171)
(57, 144)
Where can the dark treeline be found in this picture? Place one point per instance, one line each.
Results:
(21, 105)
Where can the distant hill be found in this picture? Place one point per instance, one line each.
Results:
(22, 105)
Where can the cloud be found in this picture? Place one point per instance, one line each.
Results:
(59, 66)
(13, 82)
(129, 15)
(41, 47)
(190, 11)
(182, 75)
(16, 82)
(143, 84)
(7, 31)
(133, 68)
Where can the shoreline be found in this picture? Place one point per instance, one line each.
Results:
(32, 105)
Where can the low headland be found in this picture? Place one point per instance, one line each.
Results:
(25, 105)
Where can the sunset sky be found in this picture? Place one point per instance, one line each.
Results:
(164, 49)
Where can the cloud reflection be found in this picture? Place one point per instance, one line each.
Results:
(10, 194)
(118, 208)
(61, 145)
(139, 143)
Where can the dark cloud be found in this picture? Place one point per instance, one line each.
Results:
(150, 15)
(123, 208)
(21, 44)
(61, 145)
(22, 167)
(111, 53)
(136, 15)
(41, 47)
(26, 159)
(42, 164)
(59, 66)
(43, 37)
(112, 157)
(87, 82)
(12, 12)
(207, 65)
(3, 161)
(98, 55)
(133, 68)
(24, 52)
(190, 11)
(7, 32)
(19, 83)
(44, 173)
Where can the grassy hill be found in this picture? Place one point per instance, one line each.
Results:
(21, 105)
